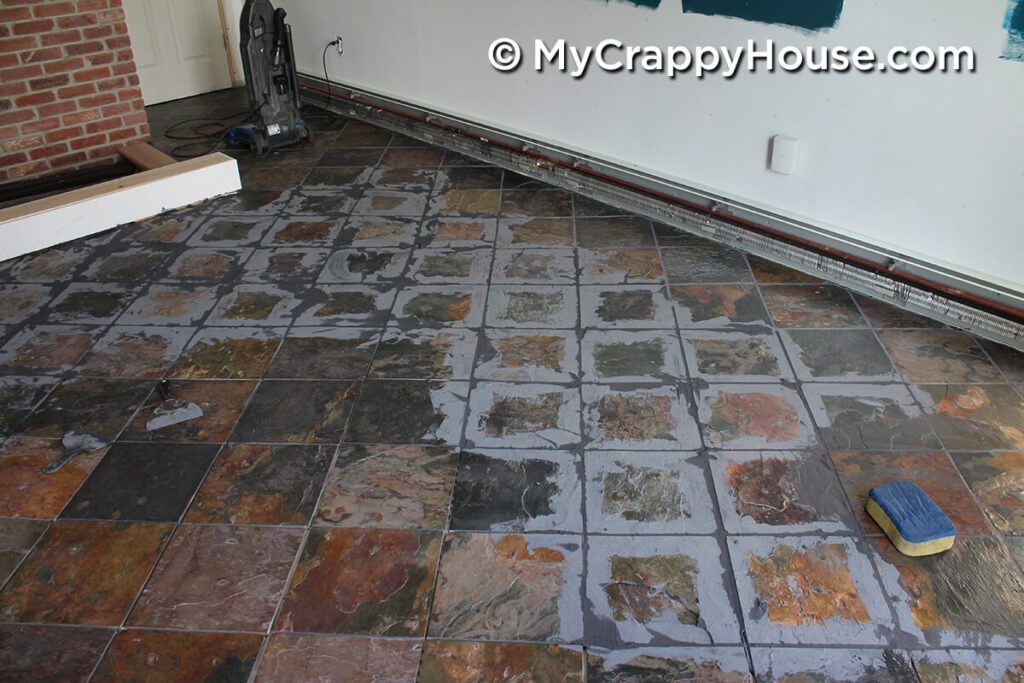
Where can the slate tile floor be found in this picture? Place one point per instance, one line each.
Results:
(459, 426)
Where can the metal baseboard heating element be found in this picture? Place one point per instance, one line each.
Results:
(940, 294)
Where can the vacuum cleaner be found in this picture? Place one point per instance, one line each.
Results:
(269, 63)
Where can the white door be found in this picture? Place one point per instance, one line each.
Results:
(179, 47)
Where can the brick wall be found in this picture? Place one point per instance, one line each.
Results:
(69, 92)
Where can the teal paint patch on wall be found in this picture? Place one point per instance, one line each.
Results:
(1014, 26)
(812, 15)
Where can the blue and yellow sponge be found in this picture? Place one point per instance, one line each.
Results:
(911, 520)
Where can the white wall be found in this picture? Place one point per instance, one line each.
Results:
(928, 165)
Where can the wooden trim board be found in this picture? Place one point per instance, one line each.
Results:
(145, 156)
(86, 211)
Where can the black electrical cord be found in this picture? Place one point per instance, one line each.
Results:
(325, 108)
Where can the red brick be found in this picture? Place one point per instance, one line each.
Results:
(92, 74)
(81, 117)
(123, 134)
(14, 88)
(52, 9)
(47, 152)
(62, 134)
(77, 20)
(16, 116)
(9, 16)
(68, 160)
(118, 43)
(61, 38)
(50, 82)
(136, 119)
(25, 28)
(97, 100)
(92, 5)
(8, 60)
(62, 107)
(46, 54)
(104, 124)
(89, 48)
(95, 32)
(21, 73)
(101, 58)
(27, 169)
(76, 91)
(18, 44)
(40, 125)
(36, 99)
(12, 159)
(64, 66)
(21, 144)
(87, 142)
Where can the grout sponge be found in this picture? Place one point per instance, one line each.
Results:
(911, 520)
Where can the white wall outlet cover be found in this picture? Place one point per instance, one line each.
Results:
(785, 154)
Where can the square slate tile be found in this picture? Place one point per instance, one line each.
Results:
(536, 232)
(413, 157)
(142, 482)
(715, 306)
(931, 470)
(389, 486)
(321, 203)
(537, 306)
(464, 202)
(811, 306)
(19, 396)
(523, 416)
(284, 265)
(50, 265)
(868, 417)
(972, 594)
(974, 417)
(477, 569)
(534, 203)
(373, 231)
(391, 203)
(207, 265)
(884, 315)
(410, 179)
(626, 231)
(620, 266)
(614, 356)
(221, 402)
(939, 356)
(838, 356)
(135, 351)
(425, 306)
(128, 265)
(300, 658)
(228, 353)
(809, 590)
(735, 356)
(529, 356)
(257, 305)
(626, 307)
(710, 665)
(89, 304)
(658, 589)
(347, 305)
(430, 354)
(298, 231)
(449, 266)
(534, 266)
(463, 231)
(647, 418)
(432, 412)
(262, 484)
(218, 578)
(779, 492)
(20, 302)
(83, 573)
(754, 417)
(881, 666)
(324, 353)
(170, 305)
(162, 657)
(251, 203)
(100, 407)
(770, 273)
(705, 263)
(647, 493)
(170, 228)
(231, 231)
(445, 661)
(365, 581)
(353, 266)
(17, 538)
(50, 654)
(280, 177)
(517, 491)
(1009, 361)
(28, 492)
(586, 206)
(997, 480)
(351, 157)
(470, 178)
(46, 348)
(313, 412)
(937, 666)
